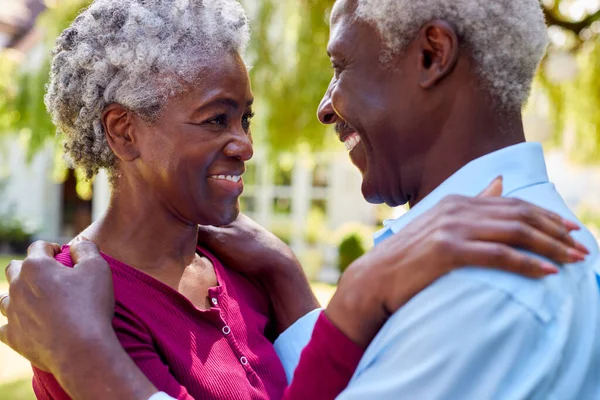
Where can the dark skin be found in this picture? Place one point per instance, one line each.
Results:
(166, 181)
(421, 108)
(457, 232)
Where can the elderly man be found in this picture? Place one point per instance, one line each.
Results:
(427, 97)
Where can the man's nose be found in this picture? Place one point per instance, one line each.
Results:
(326, 113)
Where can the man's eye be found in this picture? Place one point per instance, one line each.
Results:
(336, 69)
(246, 121)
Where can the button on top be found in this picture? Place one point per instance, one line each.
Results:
(214, 301)
(226, 330)
(244, 360)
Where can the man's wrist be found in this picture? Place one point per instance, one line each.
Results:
(97, 367)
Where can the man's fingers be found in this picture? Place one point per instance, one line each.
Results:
(4, 299)
(84, 251)
(4, 334)
(494, 189)
(502, 257)
(43, 249)
(12, 271)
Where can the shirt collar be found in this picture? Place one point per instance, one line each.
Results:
(520, 165)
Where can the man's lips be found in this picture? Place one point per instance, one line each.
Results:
(343, 130)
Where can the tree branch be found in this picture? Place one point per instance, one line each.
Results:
(552, 18)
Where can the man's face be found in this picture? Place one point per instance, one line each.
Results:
(377, 110)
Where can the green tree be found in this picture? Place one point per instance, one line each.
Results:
(290, 72)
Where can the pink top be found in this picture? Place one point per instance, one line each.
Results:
(221, 353)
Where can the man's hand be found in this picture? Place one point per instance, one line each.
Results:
(248, 248)
(50, 306)
(60, 319)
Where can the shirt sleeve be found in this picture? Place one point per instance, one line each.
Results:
(291, 342)
(161, 396)
(326, 365)
(455, 340)
(137, 342)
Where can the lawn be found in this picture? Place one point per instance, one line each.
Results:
(17, 390)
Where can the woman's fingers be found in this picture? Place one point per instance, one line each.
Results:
(521, 235)
(494, 189)
(517, 210)
(502, 257)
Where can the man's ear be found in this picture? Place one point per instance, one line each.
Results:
(118, 128)
(439, 49)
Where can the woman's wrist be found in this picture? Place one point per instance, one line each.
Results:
(358, 309)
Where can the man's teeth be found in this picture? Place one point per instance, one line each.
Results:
(351, 142)
(232, 178)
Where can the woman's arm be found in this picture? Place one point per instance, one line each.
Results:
(263, 257)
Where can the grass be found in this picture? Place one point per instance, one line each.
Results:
(17, 390)
(4, 260)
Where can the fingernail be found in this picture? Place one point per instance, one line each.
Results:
(581, 247)
(570, 225)
(548, 268)
(576, 255)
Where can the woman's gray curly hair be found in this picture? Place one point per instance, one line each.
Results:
(506, 38)
(135, 53)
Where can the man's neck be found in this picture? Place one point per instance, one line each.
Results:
(464, 138)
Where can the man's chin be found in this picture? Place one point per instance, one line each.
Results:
(370, 192)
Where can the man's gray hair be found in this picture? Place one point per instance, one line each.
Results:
(506, 38)
(136, 53)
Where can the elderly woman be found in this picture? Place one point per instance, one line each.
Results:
(156, 92)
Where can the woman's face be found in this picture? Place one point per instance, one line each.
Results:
(192, 158)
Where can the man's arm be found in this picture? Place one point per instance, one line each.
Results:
(87, 358)
(458, 339)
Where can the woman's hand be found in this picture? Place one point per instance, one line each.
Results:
(459, 231)
(248, 248)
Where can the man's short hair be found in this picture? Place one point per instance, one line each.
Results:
(506, 39)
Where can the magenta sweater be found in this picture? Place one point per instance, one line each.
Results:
(221, 353)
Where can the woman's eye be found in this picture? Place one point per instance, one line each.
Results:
(246, 121)
(221, 120)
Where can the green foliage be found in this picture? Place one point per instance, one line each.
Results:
(22, 87)
(290, 72)
(14, 236)
(17, 390)
(354, 241)
(350, 249)
(575, 106)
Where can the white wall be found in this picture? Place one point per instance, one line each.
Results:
(30, 191)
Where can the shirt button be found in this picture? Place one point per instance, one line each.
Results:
(226, 330)
(244, 360)
(214, 301)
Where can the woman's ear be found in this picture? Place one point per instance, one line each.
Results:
(439, 52)
(120, 132)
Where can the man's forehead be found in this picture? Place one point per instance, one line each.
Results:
(340, 8)
(342, 11)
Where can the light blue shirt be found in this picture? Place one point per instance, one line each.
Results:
(481, 333)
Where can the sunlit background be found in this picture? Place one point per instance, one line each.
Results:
(300, 183)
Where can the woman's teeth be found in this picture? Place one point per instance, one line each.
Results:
(351, 141)
(231, 178)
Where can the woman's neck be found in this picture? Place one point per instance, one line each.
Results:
(140, 230)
